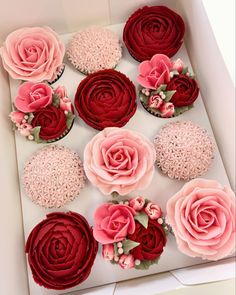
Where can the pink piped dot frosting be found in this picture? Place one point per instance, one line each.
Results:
(53, 176)
(94, 49)
(184, 150)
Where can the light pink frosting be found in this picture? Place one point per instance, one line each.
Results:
(202, 216)
(119, 160)
(32, 53)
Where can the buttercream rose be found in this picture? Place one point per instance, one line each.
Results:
(154, 72)
(151, 30)
(52, 122)
(186, 90)
(112, 223)
(126, 261)
(32, 54)
(152, 240)
(33, 96)
(119, 160)
(106, 99)
(202, 216)
(61, 250)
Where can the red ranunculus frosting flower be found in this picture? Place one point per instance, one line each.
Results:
(113, 222)
(52, 122)
(186, 90)
(32, 54)
(33, 96)
(106, 98)
(151, 30)
(155, 72)
(61, 250)
(119, 160)
(202, 216)
(152, 240)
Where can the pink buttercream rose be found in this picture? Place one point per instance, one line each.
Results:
(137, 203)
(108, 251)
(126, 261)
(202, 216)
(65, 104)
(155, 101)
(113, 222)
(33, 96)
(167, 109)
(178, 65)
(119, 160)
(25, 129)
(153, 211)
(32, 53)
(155, 72)
(61, 91)
(17, 117)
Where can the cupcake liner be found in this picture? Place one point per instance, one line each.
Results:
(57, 75)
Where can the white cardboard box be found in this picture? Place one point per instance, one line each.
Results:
(70, 15)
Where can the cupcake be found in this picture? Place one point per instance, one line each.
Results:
(53, 176)
(119, 160)
(33, 54)
(94, 49)
(168, 89)
(151, 30)
(106, 99)
(42, 114)
(136, 243)
(61, 250)
(184, 150)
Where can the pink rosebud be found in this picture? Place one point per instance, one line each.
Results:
(153, 211)
(17, 117)
(167, 109)
(61, 91)
(178, 65)
(155, 101)
(65, 104)
(126, 261)
(24, 129)
(137, 203)
(108, 251)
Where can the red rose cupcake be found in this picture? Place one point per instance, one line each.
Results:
(42, 114)
(132, 232)
(168, 88)
(106, 99)
(61, 250)
(152, 30)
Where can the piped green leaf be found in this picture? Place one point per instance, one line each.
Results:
(69, 119)
(181, 110)
(145, 264)
(143, 98)
(184, 71)
(129, 245)
(142, 218)
(35, 132)
(169, 95)
(161, 88)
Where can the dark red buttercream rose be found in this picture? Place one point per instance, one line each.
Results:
(61, 250)
(152, 240)
(106, 98)
(186, 90)
(52, 121)
(152, 30)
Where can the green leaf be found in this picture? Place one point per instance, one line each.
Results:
(35, 132)
(129, 245)
(69, 119)
(142, 218)
(181, 110)
(161, 88)
(55, 100)
(143, 98)
(169, 95)
(184, 71)
(145, 264)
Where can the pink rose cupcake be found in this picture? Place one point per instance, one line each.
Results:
(119, 160)
(42, 114)
(33, 54)
(202, 216)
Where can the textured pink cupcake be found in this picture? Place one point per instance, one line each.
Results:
(94, 49)
(119, 160)
(202, 216)
(32, 54)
